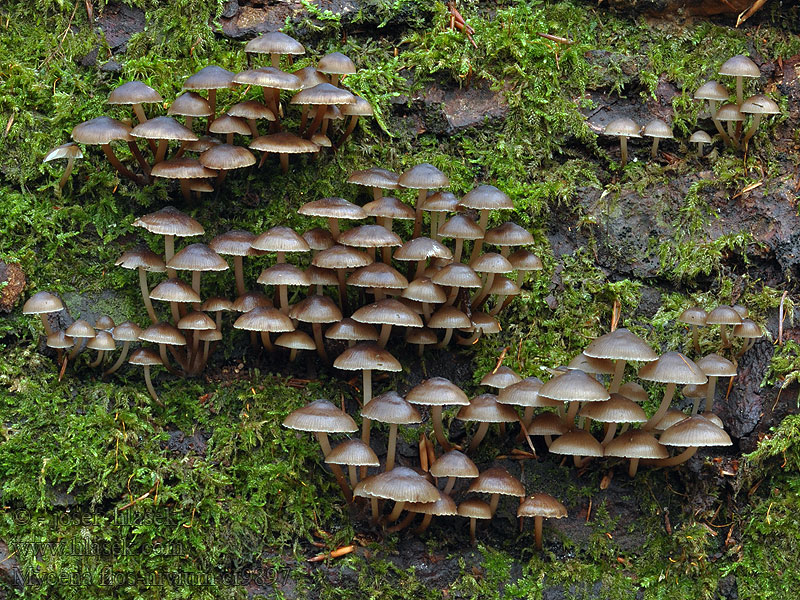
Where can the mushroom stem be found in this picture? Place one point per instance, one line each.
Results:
(753, 127)
(696, 338)
(451, 482)
(711, 388)
(351, 125)
(421, 195)
(161, 153)
(212, 102)
(623, 146)
(366, 423)
(402, 524)
(654, 151)
(678, 459)
(739, 90)
(611, 430)
(633, 467)
(569, 419)
(238, 267)
(316, 328)
(723, 331)
(395, 514)
(100, 356)
(484, 293)
(46, 324)
(169, 252)
(438, 428)
(186, 192)
(283, 293)
(392, 445)
(319, 113)
(493, 502)
(351, 471)
(266, 341)
(386, 330)
(148, 304)
(115, 162)
(725, 137)
(65, 177)
(619, 370)
(375, 510)
(322, 438)
(284, 158)
(196, 281)
(459, 248)
(479, 435)
(426, 521)
(149, 385)
(120, 361)
(448, 333)
(537, 531)
(662, 409)
(483, 221)
(472, 531)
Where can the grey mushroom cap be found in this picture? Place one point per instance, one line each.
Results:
(320, 416)
(400, 484)
(658, 129)
(623, 127)
(134, 92)
(759, 105)
(740, 66)
(353, 452)
(542, 505)
(700, 137)
(673, 367)
(636, 444)
(274, 42)
(390, 407)
(712, 90)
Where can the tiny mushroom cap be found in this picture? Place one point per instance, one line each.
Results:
(228, 124)
(145, 357)
(369, 236)
(341, 257)
(712, 90)
(353, 452)
(283, 142)
(251, 109)
(388, 312)
(350, 330)
(462, 227)
(296, 340)
(422, 336)
(423, 176)
(747, 329)
(444, 506)
(390, 407)
(225, 157)
(134, 92)
(700, 137)
(170, 221)
(441, 201)
(163, 333)
(104, 322)
(695, 431)
(485, 323)
(389, 207)
(81, 329)
(487, 197)
(190, 104)
(332, 208)
(59, 340)
(623, 127)
(474, 509)
(280, 239)
(740, 66)
(714, 365)
(323, 94)
(508, 234)
(760, 105)
(375, 177)
(742, 310)
(422, 248)
(670, 418)
(672, 367)
(274, 42)
(337, 63)
(196, 321)
(235, 242)
(525, 393)
(102, 341)
(309, 77)
(283, 274)
(454, 464)
(318, 238)
(210, 335)
(577, 443)
(548, 423)
(729, 112)
(636, 444)
(163, 128)
(542, 505)
(127, 331)
(574, 386)
(448, 317)
(657, 129)
(723, 315)
(695, 390)
(174, 290)
(316, 309)
(101, 130)
(68, 150)
(594, 366)
(182, 168)
(486, 409)
(491, 262)
(424, 290)
(713, 418)
(618, 409)
(320, 276)
(264, 318)
(42, 303)
(367, 356)
(360, 108)
(457, 275)
(497, 480)
(211, 77)
(197, 257)
(694, 315)
(620, 344)
(400, 484)
(250, 300)
(378, 275)
(437, 391)
(320, 416)
(500, 378)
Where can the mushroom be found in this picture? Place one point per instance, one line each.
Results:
(485, 198)
(391, 408)
(422, 177)
(474, 509)
(336, 65)
(420, 250)
(163, 129)
(236, 243)
(294, 341)
(723, 315)
(444, 506)
(169, 222)
(353, 453)
(617, 409)
(623, 128)
(730, 114)
(714, 366)
(283, 275)
(574, 387)
(184, 170)
(175, 291)
(165, 335)
(700, 138)
(696, 317)
(211, 78)
(758, 106)
(264, 320)
(460, 227)
(42, 304)
(672, 368)
(620, 345)
(541, 506)
(70, 151)
(496, 482)
(448, 318)
(147, 358)
(126, 333)
(401, 484)
(748, 330)
(636, 445)
(276, 44)
(740, 67)
(691, 433)
(658, 130)
(387, 313)
(379, 278)
(714, 92)
(189, 105)
(437, 392)
(226, 157)
(361, 108)
(321, 96)
(369, 237)
(333, 209)
(352, 332)
(485, 409)
(102, 342)
(104, 130)
(579, 444)
(525, 393)
(454, 465)
(376, 178)
(340, 259)
(547, 425)
(197, 258)
(316, 310)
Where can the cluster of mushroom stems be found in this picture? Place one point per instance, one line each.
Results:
(590, 396)
(204, 147)
(445, 295)
(720, 108)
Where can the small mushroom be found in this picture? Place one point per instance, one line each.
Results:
(658, 130)
(541, 506)
(70, 151)
(623, 128)
(700, 138)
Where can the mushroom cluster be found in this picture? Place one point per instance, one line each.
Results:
(734, 113)
(720, 109)
(204, 145)
(439, 298)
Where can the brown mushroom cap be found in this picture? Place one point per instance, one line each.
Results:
(577, 443)
(508, 234)
(68, 150)
(378, 275)
(486, 409)
(444, 506)
(369, 236)
(170, 221)
(264, 319)
(487, 197)
(574, 386)
(163, 333)
(42, 303)
(461, 227)
(491, 262)
(332, 208)
(211, 77)
(497, 480)
(422, 248)
(280, 239)
(283, 274)
(542, 505)
(547, 423)
(500, 378)
(623, 127)
(617, 409)
(713, 365)
(235, 242)
(225, 157)
(695, 431)
(712, 90)
(80, 329)
(145, 357)
(320, 416)
(672, 367)
(424, 290)
(700, 137)
(391, 408)
(318, 238)
(729, 112)
(59, 340)
(350, 330)
(197, 257)
(367, 356)
(747, 329)
(474, 509)
(101, 130)
(760, 105)
(336, 63)
(454, 464)
(190, 104)
(127, 331)
(163, 128)
(296, 340)
(250, 300)
(458, 275)
(283, 142)
(423, 176)
(723, 315)
(182, 168)
(740, 66)
(274, 42)
(134, 92)
(400, 484)
(174, 290)
(620, 344)
(526, 393)
(657, 129)
(441, 201)
(437, 391)
(323, 94)
(634, 391)
(388, 312)
(316, 309)
(636, 444)
(448, 317)
(196, 321)
(694, 315)
(594, 366)
(353, 452)
(389, 207)
(375, 177)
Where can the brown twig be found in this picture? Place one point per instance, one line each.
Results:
(555, 38)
